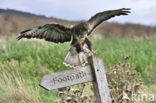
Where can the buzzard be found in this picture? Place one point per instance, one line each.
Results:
(81, 46)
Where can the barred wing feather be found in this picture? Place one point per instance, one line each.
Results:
(50, 32)
(102, 16)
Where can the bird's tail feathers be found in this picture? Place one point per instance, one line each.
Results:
(74, 59)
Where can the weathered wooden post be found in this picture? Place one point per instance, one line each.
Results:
(100, 84)
(94, 72)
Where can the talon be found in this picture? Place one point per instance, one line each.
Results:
(88, 54)
(93, 52)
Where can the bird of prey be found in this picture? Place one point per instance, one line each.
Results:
(81, 46)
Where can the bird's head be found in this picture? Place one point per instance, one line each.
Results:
(81, 28)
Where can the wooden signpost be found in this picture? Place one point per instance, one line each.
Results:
(67, 78)
(94, 72)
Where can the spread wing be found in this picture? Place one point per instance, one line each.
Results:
(50, 32)
(102, 16)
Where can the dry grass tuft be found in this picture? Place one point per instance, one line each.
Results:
(123, 82)
(14, 86)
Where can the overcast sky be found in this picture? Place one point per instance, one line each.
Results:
(143, 11)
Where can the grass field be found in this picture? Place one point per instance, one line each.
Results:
(23, 63)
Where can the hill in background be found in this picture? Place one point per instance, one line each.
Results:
(11, 12)
(12, 22)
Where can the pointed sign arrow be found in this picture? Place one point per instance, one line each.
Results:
(67, 78)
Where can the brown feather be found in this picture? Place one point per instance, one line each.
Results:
(105, 15)
(50, 32)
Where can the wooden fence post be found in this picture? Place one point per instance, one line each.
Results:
(100, 84)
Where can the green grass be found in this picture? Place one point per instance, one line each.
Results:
(142, 52)
(22, 65)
